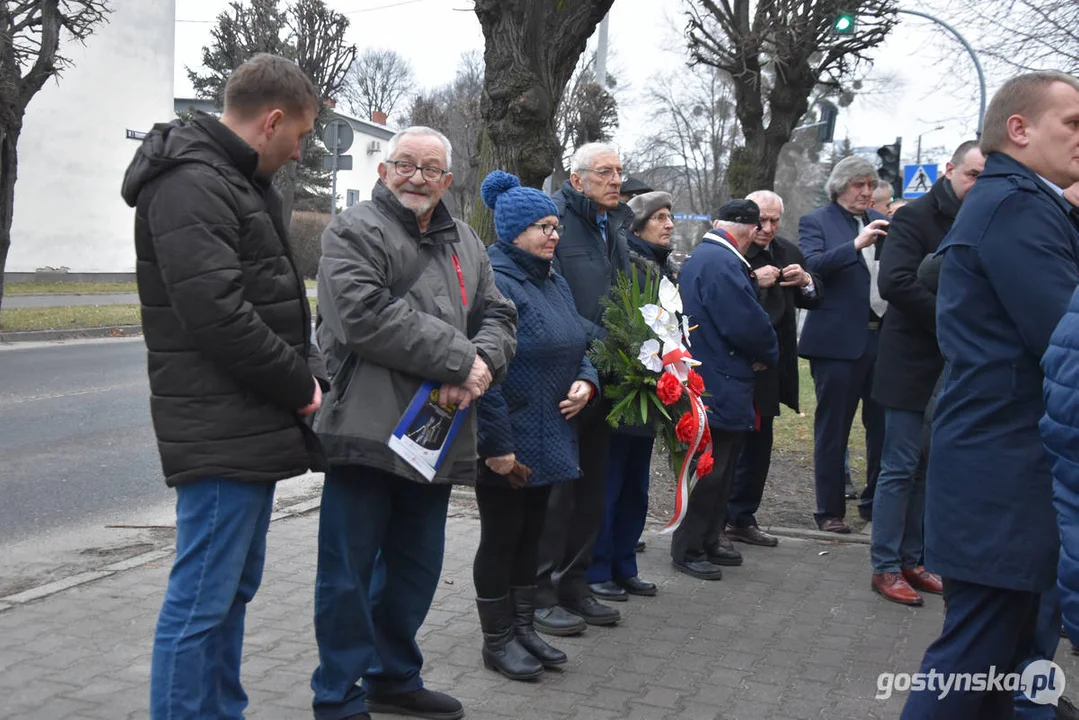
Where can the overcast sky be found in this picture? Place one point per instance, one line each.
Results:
(647, 45)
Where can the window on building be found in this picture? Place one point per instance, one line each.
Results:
(352, 197)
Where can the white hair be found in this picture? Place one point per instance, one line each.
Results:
(734, 227)
(847, 171)
(762, 196)
(421, 130)
(584, 155)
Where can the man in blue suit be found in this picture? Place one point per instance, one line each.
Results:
(1010, 265)
(839, 242)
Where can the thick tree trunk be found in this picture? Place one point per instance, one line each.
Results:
(9, 162)
(531, 49)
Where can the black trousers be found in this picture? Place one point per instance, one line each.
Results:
(574, 516)
(707, 507)
(750, 474)
(511, 522)
(839, 385)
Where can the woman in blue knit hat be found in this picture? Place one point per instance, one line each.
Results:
(527, 433)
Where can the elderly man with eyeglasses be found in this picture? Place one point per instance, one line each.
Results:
(590, 255)
(406, 294)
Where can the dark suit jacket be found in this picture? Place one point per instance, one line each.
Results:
(908, 359)
(779, 384)
(839, 327)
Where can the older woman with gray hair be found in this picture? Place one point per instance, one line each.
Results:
(840, 244)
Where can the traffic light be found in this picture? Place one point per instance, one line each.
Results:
(890, 170)
(843, 24)
(828, 114)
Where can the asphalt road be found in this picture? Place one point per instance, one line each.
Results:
(76, 444)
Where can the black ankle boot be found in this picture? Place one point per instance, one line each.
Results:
(524, 605)
(501, 650)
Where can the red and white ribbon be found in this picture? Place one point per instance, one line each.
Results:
(687, 480)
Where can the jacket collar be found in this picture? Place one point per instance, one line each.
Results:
(720, 237)
(521, 266)
(999, 164)
(244, 157)
(442, 229)
(944, 197)
(639, 245)
(582, 205)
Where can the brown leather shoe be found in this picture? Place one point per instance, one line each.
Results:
(752, 535)
(835, 525)
(921, 579)
(892, 586)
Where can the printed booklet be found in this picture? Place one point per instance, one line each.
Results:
(425, 434)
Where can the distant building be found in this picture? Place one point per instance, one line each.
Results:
(78, 137)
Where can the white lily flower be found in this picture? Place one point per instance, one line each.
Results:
(685, 331)
(649, 355)
(669, 298)
(670, 332)
(652, 314)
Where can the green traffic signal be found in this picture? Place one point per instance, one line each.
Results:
(844, 24)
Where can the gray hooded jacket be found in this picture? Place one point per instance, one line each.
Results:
(399, 307)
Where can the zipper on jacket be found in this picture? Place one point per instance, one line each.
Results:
(460, 279)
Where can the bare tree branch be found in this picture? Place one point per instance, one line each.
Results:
(377, 81)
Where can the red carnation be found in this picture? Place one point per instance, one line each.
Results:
(705, 464)
(696, 382)
(668, 389)
(686, 429)
(707, 436)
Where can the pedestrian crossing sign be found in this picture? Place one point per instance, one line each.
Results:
(917, 179)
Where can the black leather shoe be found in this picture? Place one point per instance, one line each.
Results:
(639, 547)
(593, 611)
(700, 569)
(636, 586)
(422, 703)
(752, 535)
(555, 620)
(848, 490)
(524, 624)
(608, 591)
(720, 555)
(502, 651)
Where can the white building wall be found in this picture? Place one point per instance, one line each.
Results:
(364, 173)
(73, 150)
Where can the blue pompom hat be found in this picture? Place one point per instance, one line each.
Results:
(515, 207)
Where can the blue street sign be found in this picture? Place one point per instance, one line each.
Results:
(917, 179)
(684, 216)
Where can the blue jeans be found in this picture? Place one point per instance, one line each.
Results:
(220, 551)
(899, 500)
(380, 544)
(1046, 639)
(629, 462)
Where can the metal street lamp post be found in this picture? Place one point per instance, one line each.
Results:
(919, 160)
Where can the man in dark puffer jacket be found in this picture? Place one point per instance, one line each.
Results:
(227, 326)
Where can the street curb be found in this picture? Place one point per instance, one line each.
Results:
(74, 334)
(57, 586)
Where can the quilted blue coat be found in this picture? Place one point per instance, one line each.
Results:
(521, 415)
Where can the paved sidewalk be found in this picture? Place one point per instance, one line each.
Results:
(794, 633)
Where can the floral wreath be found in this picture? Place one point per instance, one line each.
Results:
(650, 377)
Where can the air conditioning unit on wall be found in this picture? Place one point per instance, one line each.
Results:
(373, 147)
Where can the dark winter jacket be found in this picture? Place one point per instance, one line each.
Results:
(839, 328)
(779, 384)
(588, 262)
(1060, 431)
(521, 415)
(720, 297)
(908, 359)
(224, 311)
(1011, 265)
(382, 339)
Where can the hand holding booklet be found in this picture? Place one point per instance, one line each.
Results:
(426, 431)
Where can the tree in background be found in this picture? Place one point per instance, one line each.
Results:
(1023, 34)
(776, 54)
(692, 129)
(377, 81)
(454, 110)
(310, 34)
(29, 55)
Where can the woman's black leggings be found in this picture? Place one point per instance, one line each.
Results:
(511, 521)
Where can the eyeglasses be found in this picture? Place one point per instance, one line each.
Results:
(548, 229)
(662, 218)
(406, 169)
(607, 173)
